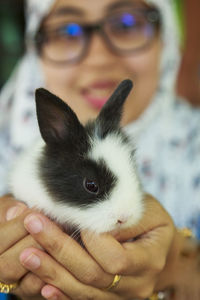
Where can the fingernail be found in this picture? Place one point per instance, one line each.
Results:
(14, 212)
(31, 262)
(48, 293)
(33, 224)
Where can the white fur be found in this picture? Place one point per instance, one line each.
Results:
(125, 201)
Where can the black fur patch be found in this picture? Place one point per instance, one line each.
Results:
(63, 174)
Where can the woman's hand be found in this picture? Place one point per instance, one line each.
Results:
(69, 271)
(78, 274)
(14, 238)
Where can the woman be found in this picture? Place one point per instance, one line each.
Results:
(85, 49)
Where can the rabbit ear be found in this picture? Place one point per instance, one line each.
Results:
(110, 115)
(57, 121)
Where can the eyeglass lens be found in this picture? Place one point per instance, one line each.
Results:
(128, 32)
(124, 32)
(65, 43)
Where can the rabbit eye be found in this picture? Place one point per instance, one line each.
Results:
(91, 186)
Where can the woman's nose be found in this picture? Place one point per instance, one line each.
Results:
(98, 53)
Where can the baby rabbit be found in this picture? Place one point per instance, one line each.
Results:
(81, 176)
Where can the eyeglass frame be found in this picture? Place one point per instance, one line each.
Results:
(90, 29)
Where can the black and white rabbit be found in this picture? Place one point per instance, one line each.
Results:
(81, 176)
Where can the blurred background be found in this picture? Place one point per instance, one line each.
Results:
(12, 26)
(11, 35)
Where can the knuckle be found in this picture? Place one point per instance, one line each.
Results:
(53, 246)
(92, 276)
(119, 266)
(50, 276)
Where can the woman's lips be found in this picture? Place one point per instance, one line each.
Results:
(98, 93)
(96, 102)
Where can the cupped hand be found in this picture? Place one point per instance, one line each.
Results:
(14, 238)
(71, 272)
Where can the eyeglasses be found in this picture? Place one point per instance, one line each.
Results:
(124, 33)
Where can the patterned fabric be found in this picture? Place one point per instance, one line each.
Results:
(167, 134)
(168, 156)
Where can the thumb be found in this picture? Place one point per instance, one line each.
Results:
(154, 216)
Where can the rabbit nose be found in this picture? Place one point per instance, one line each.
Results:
(122, 220)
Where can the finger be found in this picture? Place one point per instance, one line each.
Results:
(107, 251)
(150, 250)
(116, 258)
(140, 288)
(131, 258)
(9, 203)
(13, 231)
(154, 216)
(11, 269)
(66, 251)
(51, 272)
(51, 293)
(30, 285)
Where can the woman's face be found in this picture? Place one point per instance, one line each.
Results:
(86, 85)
